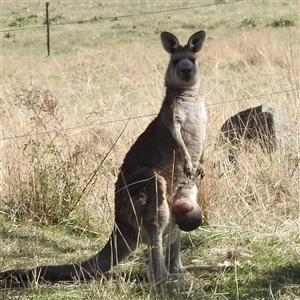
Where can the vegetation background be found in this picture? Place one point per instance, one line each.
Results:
(67, 121)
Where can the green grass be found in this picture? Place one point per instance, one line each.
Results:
(255, 274)
(67, 156)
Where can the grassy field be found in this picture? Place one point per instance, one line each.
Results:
(67, 121)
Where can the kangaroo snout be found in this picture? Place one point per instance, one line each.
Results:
(185, 70)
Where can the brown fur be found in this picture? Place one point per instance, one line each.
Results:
(161, 167)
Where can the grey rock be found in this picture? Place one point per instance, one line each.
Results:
(267, 127)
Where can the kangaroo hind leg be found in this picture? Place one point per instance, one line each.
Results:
(155, 221)
(173, 253)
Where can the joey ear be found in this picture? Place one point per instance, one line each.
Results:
(196, 41)
(169, 42)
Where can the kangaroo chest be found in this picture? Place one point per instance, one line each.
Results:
(190, 114)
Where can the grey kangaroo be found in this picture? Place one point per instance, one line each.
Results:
(156, 189)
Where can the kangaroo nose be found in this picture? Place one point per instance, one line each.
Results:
(185, 69)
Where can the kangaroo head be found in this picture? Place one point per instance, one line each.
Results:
(183, 71)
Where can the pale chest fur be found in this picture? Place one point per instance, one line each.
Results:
(190, 112)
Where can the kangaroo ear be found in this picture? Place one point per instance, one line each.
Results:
(169, 42)
(196, 41)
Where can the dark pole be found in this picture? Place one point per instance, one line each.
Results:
(48, 28)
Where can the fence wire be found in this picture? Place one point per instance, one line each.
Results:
(139, 117)
(138, 14)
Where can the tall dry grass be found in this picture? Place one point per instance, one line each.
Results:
(246, 65)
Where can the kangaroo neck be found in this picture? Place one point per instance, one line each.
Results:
(183, 94)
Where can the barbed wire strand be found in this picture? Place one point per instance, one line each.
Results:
(100, 19)
(139, 117)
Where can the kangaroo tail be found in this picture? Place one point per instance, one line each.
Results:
(119, 246)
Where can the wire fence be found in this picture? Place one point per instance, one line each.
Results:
(109, 18)
(139, 117)
(48, 24)
(137, 14)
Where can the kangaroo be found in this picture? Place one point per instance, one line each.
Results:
(156, 189)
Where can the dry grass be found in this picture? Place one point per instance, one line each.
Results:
(103, 73)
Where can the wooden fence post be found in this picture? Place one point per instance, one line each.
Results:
(48, 28)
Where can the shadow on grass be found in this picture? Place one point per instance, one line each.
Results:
(282, 281)
(39, 241)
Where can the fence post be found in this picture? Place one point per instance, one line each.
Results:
(48, 29)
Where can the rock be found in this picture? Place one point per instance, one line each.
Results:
(267, 127)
